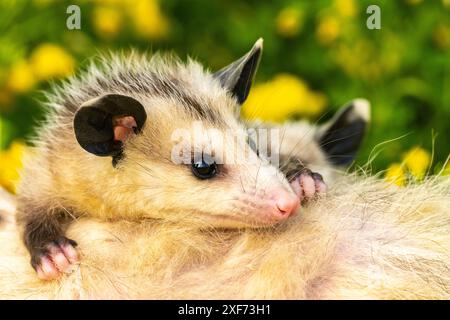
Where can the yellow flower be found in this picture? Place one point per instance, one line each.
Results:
(395, 174)
(346, 8)
(282, 97)
(107, 21)
(148, 19)
(328, 30)
(363, 60)
(51, 61)
(417, 160)
(21, 77)
(441, 36)
(11, 164)
(289, 22)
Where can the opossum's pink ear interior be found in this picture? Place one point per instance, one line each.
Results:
(342, 136)
(103, 124)
(238, 76)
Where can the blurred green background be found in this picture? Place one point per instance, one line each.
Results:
(317, 56)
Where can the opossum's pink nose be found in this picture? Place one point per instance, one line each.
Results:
(287, 203)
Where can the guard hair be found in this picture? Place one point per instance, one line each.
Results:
(366, 239)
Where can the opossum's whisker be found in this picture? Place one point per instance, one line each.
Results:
(148, 170)
(313, 127)
(257, 174)
(254, 112)
(282, 140)
(338, 139)
(70, 214)
(242, 184)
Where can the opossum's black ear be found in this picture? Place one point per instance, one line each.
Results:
(238, 76)
(341, 137)
(102, 125)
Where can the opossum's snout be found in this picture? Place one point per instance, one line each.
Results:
(286, 204)
(282, 205)
(275, 205)
(264, 196)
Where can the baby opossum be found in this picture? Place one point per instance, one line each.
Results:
(106, 151)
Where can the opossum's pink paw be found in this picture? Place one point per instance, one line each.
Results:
(47, 270)
(308, 185)
(56, 258)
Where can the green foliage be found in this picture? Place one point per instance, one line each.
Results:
(403, 69)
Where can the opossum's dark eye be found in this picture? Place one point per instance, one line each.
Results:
(204, 169)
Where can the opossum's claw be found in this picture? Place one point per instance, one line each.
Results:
(308, 185)
(55, 258)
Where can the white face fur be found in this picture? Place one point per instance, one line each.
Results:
(206, 188)
(219, 193)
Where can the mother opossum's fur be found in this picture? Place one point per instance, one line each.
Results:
(366, 239)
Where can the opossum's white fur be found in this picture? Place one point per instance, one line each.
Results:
(366, 239)
(61, 175)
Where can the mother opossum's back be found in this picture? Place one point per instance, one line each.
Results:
(365, 240)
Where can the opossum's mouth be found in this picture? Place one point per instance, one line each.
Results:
(238, 222)
(256, 218)
(259, 210)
